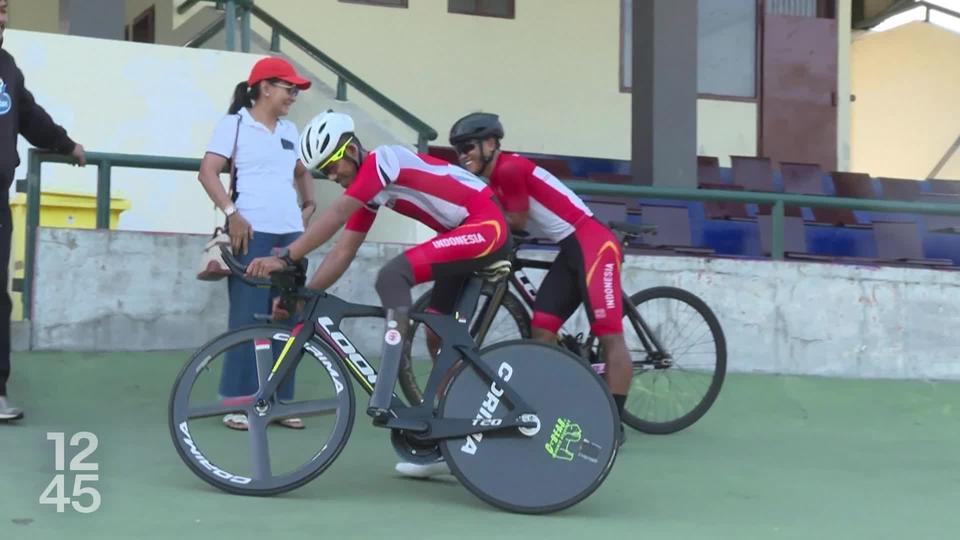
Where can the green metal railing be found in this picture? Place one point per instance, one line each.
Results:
(105, 162)
(345, 77)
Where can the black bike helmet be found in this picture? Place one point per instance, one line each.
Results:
(476, 126)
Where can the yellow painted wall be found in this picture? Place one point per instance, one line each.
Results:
(726, 128)
(556, 86)
(552, 72)
(36, 15)
(907, 113)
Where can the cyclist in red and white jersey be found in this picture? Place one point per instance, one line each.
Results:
(589, 258)
(459, 206)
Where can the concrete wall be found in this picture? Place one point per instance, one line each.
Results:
(788, 317)
(94, 18)
(101, 290)
(123, 290)
(906, 115)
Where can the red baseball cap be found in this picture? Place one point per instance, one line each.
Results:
(272, 67)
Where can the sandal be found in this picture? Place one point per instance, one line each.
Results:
(292, 423)
(239, 422)
(236, 421)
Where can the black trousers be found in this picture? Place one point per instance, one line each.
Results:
(6, 231)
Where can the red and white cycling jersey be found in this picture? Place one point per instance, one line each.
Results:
(554, 211)
(430, 190)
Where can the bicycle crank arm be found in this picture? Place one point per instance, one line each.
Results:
(452, 428)
(406, 424)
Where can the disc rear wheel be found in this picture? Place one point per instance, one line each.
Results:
(549, 468)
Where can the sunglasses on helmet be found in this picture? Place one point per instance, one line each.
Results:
(334, 157)
(464, 147)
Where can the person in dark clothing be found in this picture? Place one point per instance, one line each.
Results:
(19, 115)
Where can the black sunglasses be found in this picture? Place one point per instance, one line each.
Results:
(292, 90)
(464, 148)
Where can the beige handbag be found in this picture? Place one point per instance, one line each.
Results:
(212, 267)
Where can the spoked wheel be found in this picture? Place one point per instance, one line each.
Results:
(268, 458)
(542, 469)
(676, 384)
(510, 322)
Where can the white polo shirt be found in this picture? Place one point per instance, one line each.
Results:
(265, 164)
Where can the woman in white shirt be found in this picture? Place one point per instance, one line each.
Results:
(263, 214)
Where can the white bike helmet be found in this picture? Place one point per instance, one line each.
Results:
(319, 139)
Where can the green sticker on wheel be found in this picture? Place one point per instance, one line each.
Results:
(565, 433)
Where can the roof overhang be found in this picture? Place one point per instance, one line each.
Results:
(942, 13)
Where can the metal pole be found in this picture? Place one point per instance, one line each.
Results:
(663, 91)
(245, 29)
(32, 223)
(776, 222)
(422, 143)
(341, 89)
(103, 195)
(274, 40)
(230, 23)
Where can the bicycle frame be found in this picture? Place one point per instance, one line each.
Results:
(325, 312)
(528, 294)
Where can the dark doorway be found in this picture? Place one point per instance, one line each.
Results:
(144, 27)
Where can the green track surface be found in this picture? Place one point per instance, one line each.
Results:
(777, 457)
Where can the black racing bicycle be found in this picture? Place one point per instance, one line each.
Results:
(526, 427)
(675, 341)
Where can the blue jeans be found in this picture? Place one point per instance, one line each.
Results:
(239, 375)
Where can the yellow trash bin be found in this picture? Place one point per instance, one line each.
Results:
(57, 209)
